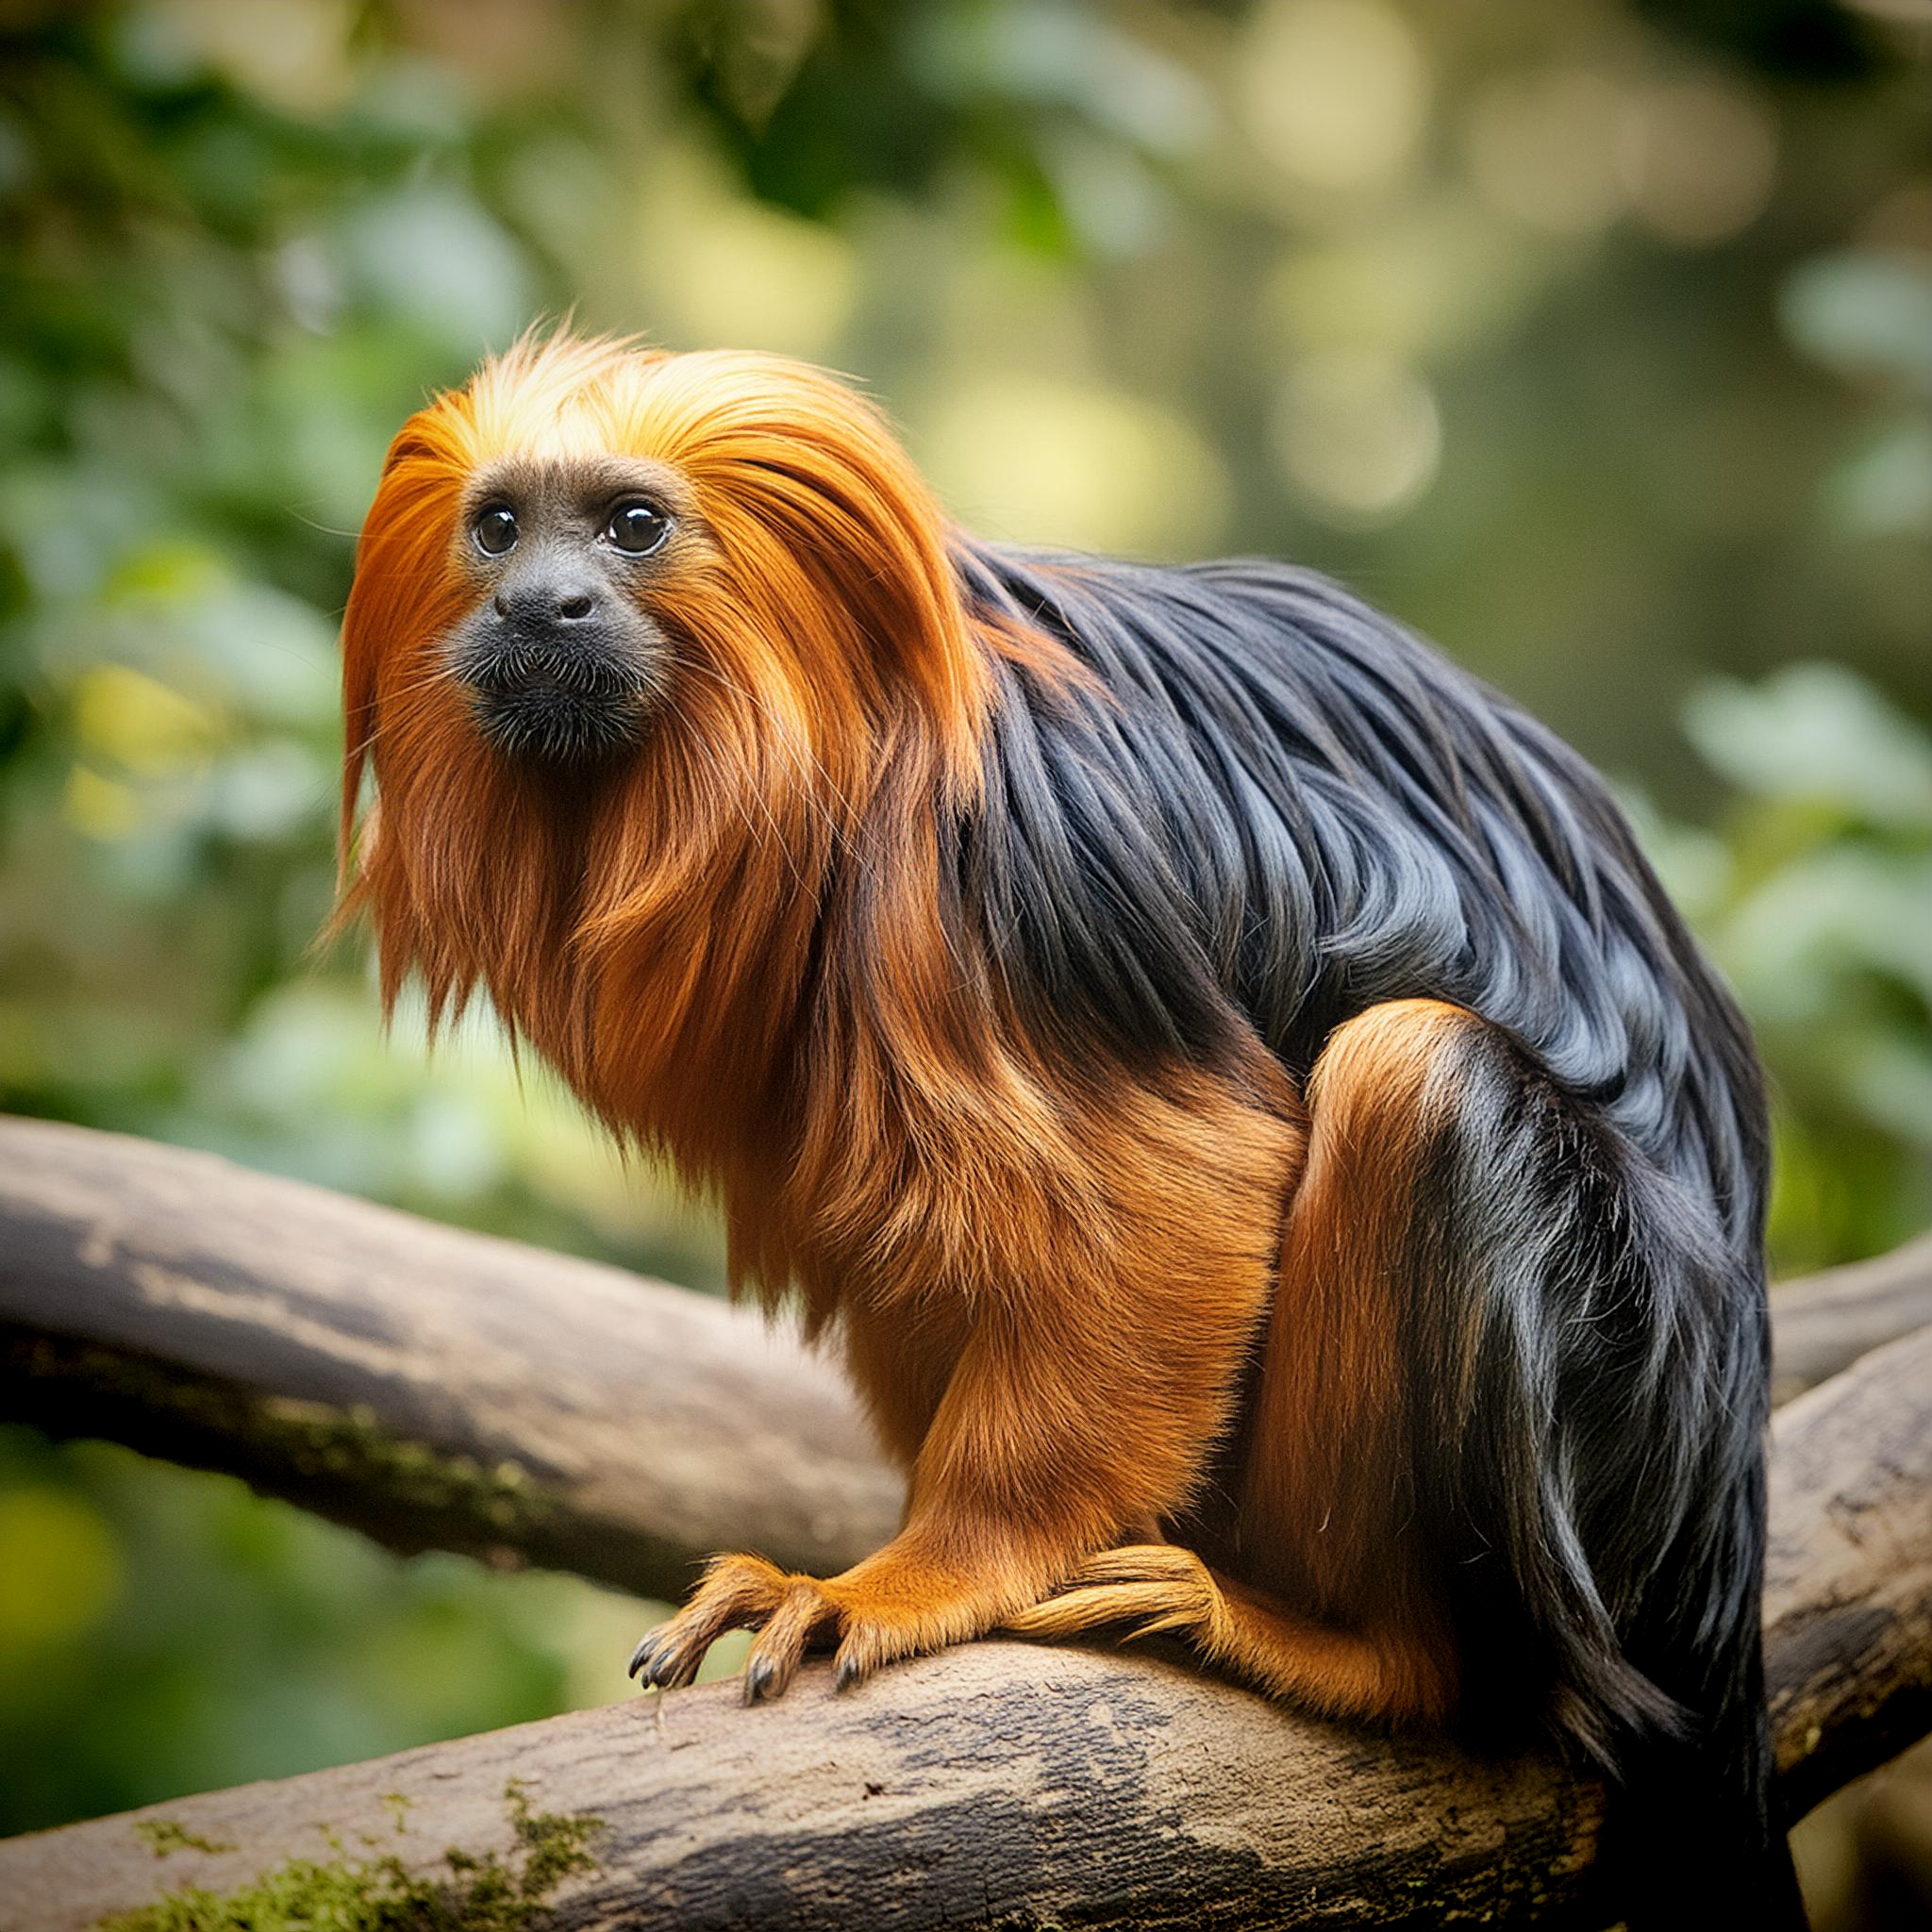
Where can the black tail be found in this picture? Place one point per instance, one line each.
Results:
(1691, 1838)
(1591, 1448)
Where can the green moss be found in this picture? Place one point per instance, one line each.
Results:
(165, 1836)
(288, 1443)
(350, 1445)
(472, 1893)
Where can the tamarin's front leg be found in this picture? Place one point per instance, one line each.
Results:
(1088, 1393)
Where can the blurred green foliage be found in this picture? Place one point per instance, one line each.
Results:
(1595, 340)
(164, 1632)
(1816, 897)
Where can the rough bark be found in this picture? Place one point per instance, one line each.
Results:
(1848, 1600)
(436, 1387)
(1006, 1785)
(1000, 1785)
(1825, 1322)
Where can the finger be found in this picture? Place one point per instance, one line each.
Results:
(1140, 1563)
(1093, 1607)
(868, 1643)
(659, 1661)
(736, 1592)
(670, 1656)
(782, 1642)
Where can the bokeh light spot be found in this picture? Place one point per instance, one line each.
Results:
(1700, 159)
(1047, 462)
(1545, 147)
(293, 53)
(1358, 434)
(121, 714)
(60, 1568)
(101, 807)
(1333, 92)
(733, 274)
(1445, 279)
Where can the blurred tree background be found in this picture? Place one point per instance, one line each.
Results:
(1595, 341)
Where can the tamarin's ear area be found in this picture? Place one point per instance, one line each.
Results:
(403, 579)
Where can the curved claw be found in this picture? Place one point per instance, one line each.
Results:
(665, 1662)
(871, 1625)
(790, 1630)
(734, 1593)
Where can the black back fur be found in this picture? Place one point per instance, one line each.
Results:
(1276, 809)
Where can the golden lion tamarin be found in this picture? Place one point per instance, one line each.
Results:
(1275, 1167)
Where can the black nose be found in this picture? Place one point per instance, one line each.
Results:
(539, 601)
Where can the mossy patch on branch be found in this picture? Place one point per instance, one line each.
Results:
(292, 1444)
(474, 1892)
(165, 1835)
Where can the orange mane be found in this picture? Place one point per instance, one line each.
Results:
(656, 930)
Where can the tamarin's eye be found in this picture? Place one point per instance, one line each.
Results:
(637, 527)
(495, 530)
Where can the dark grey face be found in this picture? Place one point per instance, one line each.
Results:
(562, 661)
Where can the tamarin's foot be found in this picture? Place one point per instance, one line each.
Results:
(889, 1607)
(736, 1593)
(1147, 1589)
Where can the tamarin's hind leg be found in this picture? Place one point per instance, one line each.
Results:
(1322, 1590)
(1500, 1455)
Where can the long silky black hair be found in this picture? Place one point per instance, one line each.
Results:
(1285, 801)
(1272, 808)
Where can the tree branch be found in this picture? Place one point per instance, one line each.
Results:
(439, 1389)
(1010, 1784)
(1824, 1322)
(432, 1388)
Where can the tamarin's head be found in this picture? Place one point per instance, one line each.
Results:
(624, 625)
(579, 550)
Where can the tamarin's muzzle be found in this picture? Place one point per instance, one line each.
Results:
(557, 665)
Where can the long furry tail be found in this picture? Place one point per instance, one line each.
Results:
(1592, 1451)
